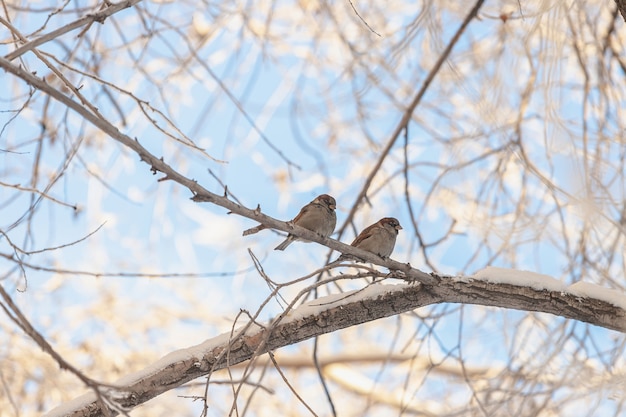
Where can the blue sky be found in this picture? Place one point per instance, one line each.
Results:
(153, 227)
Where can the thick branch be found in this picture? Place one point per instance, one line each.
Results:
(326, 315)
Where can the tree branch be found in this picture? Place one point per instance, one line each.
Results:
(201, 194)
(329, 314)
(408, 113)
(99, 16)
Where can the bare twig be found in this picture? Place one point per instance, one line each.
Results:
(406, 117)
(99, 16)
(361, 18)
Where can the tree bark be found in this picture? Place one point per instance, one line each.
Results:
(375, 302)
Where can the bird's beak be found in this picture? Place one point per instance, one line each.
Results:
(398, 227)
(332, 206)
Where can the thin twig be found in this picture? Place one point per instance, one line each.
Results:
(406, 117)
(362, 20)
(99, 16)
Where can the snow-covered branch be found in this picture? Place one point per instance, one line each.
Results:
(493, 287)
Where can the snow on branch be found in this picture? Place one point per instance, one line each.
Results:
(491, 287)
(583, 290)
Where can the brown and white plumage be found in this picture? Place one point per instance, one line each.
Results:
(379, 238)
(318, 216)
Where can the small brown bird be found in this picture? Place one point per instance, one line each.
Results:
(318, 216)
(379, 238)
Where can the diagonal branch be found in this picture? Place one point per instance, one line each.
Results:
(408, 113)
(329, 314)
(99, 16)
(201, 194)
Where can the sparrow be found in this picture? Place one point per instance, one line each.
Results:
(379, 238)
(318, 216)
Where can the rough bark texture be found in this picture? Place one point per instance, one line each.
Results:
(399, 299)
